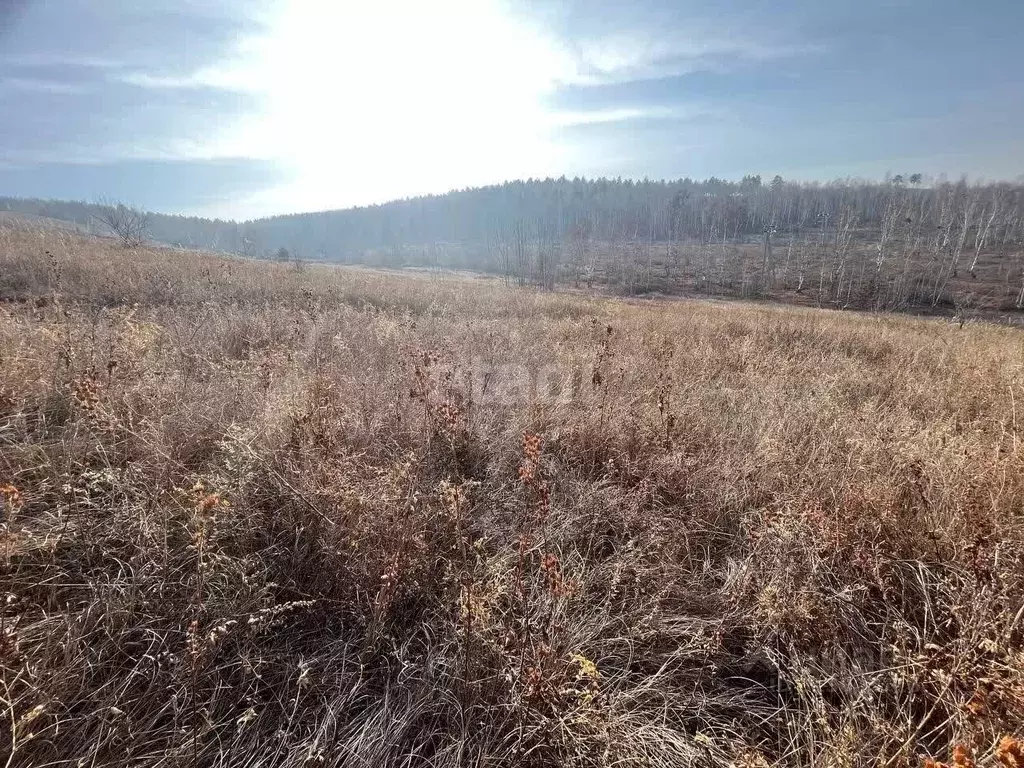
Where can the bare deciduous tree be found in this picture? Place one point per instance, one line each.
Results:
(127, 224)
(983, 228)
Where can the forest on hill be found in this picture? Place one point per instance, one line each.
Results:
(893, 244)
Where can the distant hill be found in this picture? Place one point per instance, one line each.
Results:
(36, 220)
(560, 209)
(192, 231)
(893, 244)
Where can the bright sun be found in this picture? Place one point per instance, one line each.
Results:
(369, 101)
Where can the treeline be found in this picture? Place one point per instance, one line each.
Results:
(602, 209)
(624, 210)
(849, 241)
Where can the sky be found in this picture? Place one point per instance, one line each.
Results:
(240, 109)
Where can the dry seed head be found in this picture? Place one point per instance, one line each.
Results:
(531, 445)
(12, 497)
(531, 457)
(553, 572)
(211, 501)
(962, 757)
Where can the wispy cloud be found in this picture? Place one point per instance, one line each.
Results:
(81, 78)
(628, 56)
(36, 85)
(618, 115)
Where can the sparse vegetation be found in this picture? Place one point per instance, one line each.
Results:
(262, 516)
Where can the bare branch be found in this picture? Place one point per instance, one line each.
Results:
(127, 224)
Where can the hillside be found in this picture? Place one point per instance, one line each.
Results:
(263, 514)
(949, 247)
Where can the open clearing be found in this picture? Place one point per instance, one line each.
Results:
(262, 516)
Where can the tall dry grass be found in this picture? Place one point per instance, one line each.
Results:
(261, 517)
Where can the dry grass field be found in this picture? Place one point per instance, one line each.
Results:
(255, 515)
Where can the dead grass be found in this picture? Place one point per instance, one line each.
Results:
(261, 517)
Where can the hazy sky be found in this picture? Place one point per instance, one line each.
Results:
(249, 108)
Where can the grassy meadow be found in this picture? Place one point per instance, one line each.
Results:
(263, 515)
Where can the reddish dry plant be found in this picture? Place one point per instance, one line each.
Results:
(962, 758)
(86, 389)
(552, 572)
(531, 458)
(1010, 752)
(12, 497)
(447, 416)
(530, 475)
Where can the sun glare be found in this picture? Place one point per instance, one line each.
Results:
(372, 101)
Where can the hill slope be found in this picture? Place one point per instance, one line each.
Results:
(262, 516)
(848, 244)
